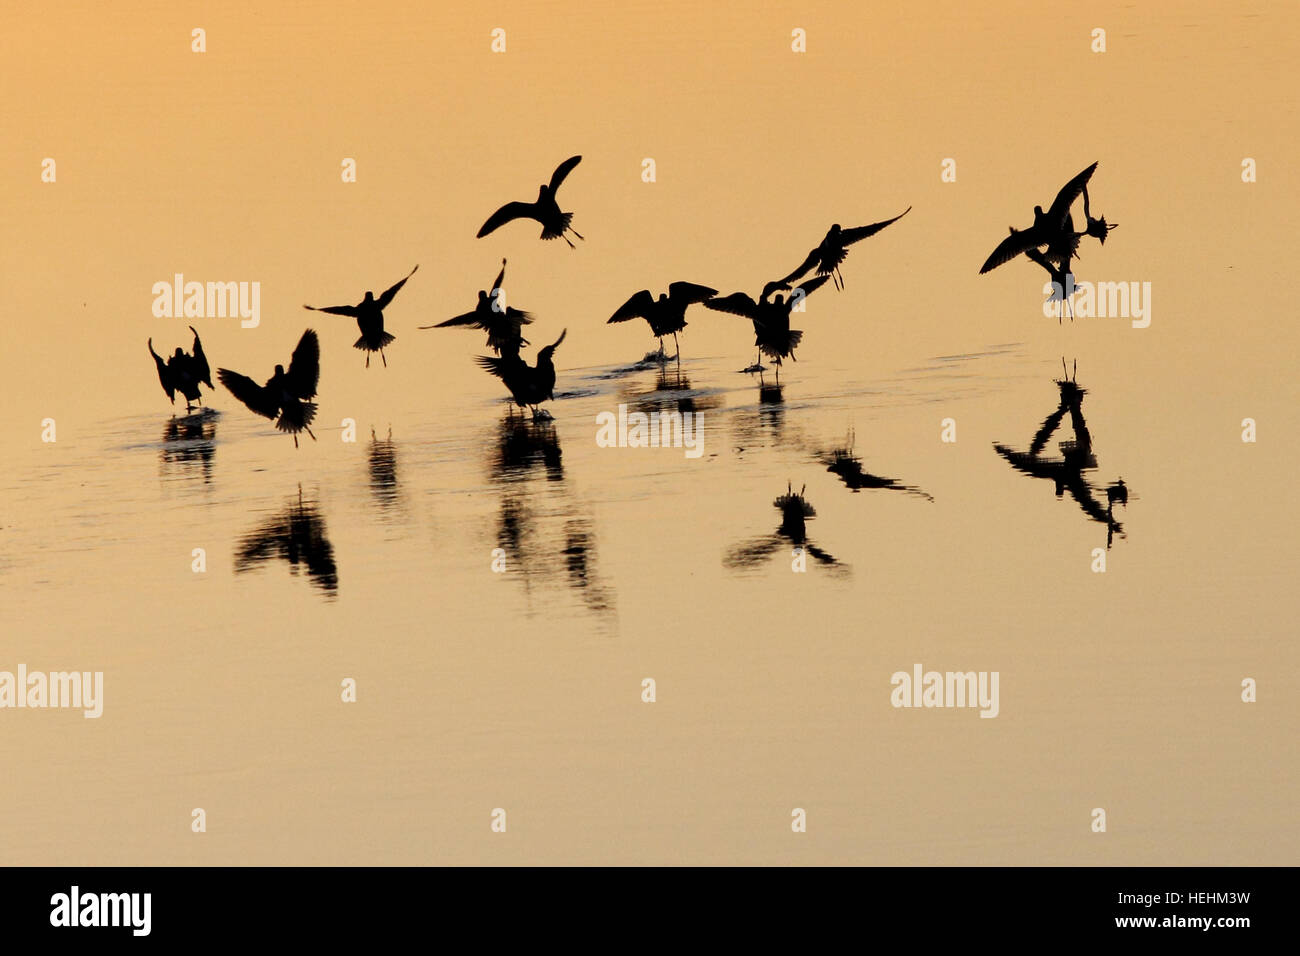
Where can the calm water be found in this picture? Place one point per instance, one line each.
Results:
(372, 560)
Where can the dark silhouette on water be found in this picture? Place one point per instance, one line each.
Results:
(666, 315)
(1077, 457)
(184, 373)
(285, 395)
(529, 385)
(541, 531)
(545, 209)
(383, 469)
(296, 535)
(834, 248)
(793, 532)
(369, 313)
(1052, 231)
(847, 466)
(190, 440)
(503, 324)
(771, 319)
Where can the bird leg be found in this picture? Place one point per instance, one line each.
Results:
(384, 357)
(576, 233)
(310, 432)
(295, 441)
(677, 347)
(367, 360)
(566, 239)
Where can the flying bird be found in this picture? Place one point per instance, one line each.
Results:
(1052, 231)
(503, 324)
(666, 314)
(772, 333)
(285, 395)
(183, 373)
(528, 385)
(833, 250)
(545, 209)
(369, 313)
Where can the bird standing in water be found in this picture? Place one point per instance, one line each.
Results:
(503, 324)
(1052, 231)
(529, 386)
(545, 209)
(667, 314)
(285, 395)
(369, 313)
(183, 373)
(833, 249)
(772, 332)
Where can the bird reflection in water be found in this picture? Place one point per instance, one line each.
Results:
(1067, 472)
(383, 470)
(847, 466)
(541, 529)
(189, 443)
(756, 426)
(796, 511)
(297, 535)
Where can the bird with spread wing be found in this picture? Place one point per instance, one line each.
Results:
(827, 257)
(666, 315)
(544, 209)
(184, 372)
(502, 323)
(285, 396)
(369, 313)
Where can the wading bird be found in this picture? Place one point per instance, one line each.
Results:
(835, 248)
(183, 373)
(772, 332)
(503, 324)
(369, 313)
(667, 314)
(1052, 231)
(285, 395)
(545, 210)
(529, 385)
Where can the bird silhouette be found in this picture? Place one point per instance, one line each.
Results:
(528, 385)
(666, 314)
(1097, 228)
(545, 209)
(503, 324)
(183, 373)
(832, 250)
(795, 510)
(772, 332)
(296, 535)
(285, 395)
(369, 313)
(1052, 231)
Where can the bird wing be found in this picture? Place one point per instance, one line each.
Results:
(640, 306)
(164, 377)
(798, 273)
(508, 212)
(391, 291)
(738, 303)
(465, 318)
(690, 293)
(257, 398)
(811, 286)
(201, 370)
(304, 367)
(1068, 194)
(501, 365)
(563, 170)
(1018, 242)
(850, 236)
(351, 310)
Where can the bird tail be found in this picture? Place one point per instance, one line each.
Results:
(369, 344)
(296, 416)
